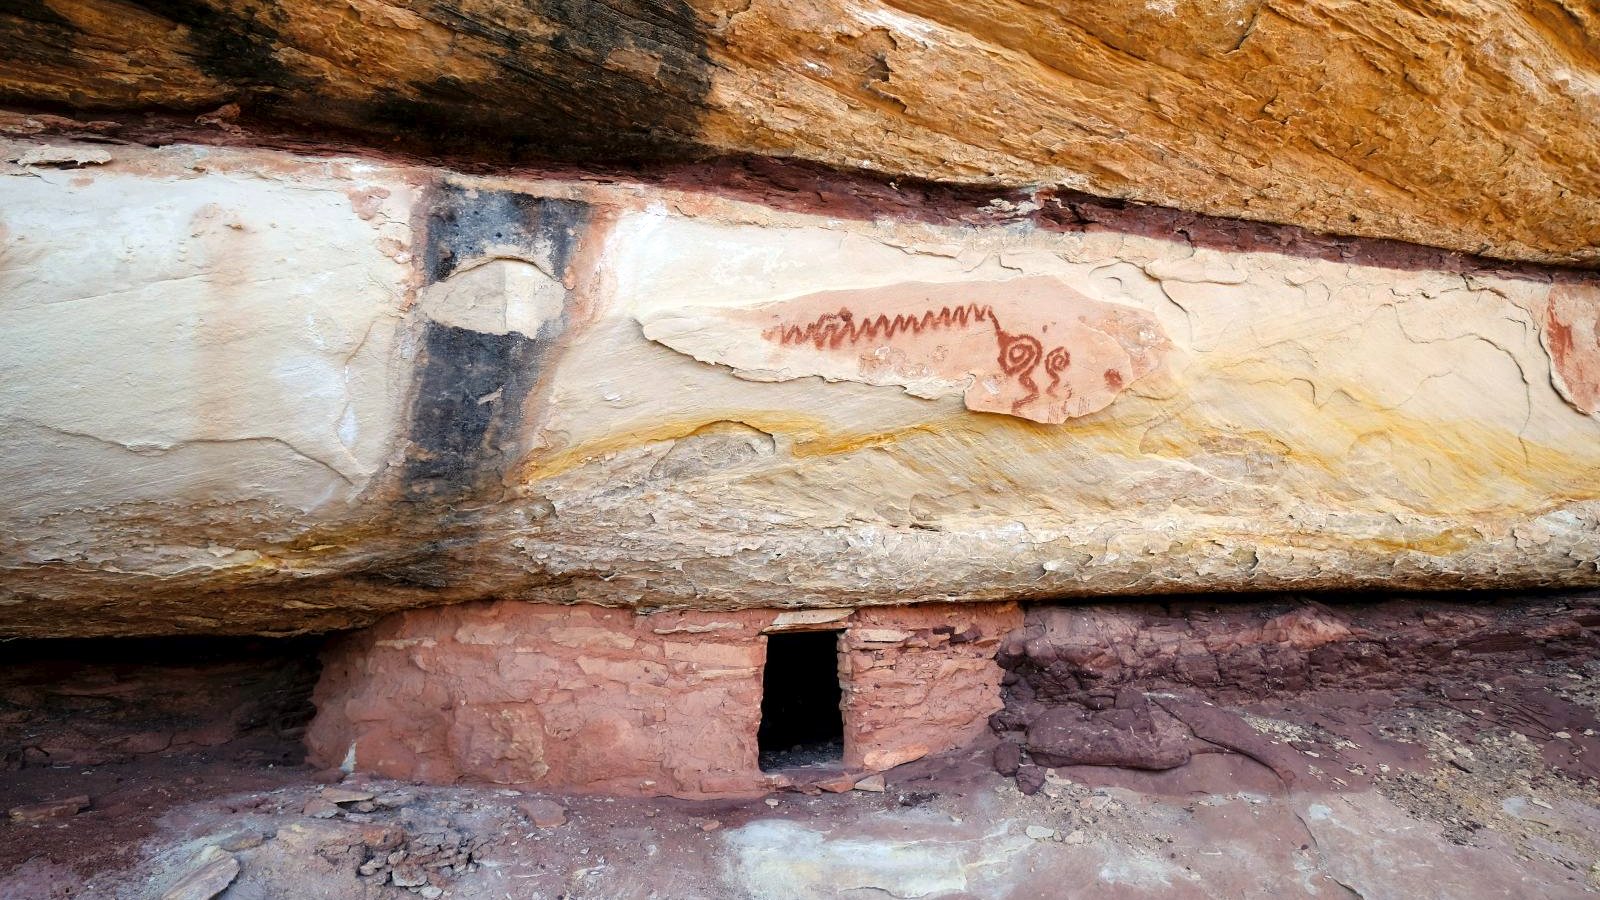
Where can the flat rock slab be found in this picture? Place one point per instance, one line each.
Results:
(1034, 348)
(213, 870)
(48, 810)
(543, 812)
(342, 796)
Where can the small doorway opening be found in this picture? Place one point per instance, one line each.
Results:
(801, 723)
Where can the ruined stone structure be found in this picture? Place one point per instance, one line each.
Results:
(605, 700)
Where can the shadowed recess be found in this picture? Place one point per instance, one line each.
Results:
(801, 722)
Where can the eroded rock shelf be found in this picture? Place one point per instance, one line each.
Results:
(258, 391)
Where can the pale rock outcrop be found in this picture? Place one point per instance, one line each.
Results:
(249, 391)
(197, 348)
(500, 296)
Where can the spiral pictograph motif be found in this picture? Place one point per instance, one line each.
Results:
(1019, 353)
(1056, 362)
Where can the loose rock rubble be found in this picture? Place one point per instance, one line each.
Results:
(392, 843)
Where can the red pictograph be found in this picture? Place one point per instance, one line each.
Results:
(1054, 365)
(831, 330)
(1019, 354)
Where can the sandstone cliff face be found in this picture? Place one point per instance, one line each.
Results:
(1461, 125)
(252, 391)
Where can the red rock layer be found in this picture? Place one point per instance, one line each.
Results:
(1148, 686)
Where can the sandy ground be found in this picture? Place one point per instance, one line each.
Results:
(1501, 825)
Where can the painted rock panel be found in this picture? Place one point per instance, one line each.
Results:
(1570, 329)
(1028, 347)
(247, 391)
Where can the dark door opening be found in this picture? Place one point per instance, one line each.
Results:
(801, 723)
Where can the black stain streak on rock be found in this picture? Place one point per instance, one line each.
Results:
(521, 81)
(34, 34)
(463, 224)
(470, 389)
(471, 385)
(608, 80)
(623, 80)
(237, 46)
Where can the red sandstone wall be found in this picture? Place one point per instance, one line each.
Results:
(920, 679)
(592, 699)
(521, 693)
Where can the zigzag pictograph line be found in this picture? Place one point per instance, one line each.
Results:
(1019, 354)
(832, 330)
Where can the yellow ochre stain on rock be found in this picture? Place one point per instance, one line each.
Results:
(1434, 467)
(809, 435)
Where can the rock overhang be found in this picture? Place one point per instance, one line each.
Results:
(1458, 125)
(484, 410)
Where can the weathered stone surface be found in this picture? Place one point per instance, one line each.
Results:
(344, 795)
(320, 808)
(779, 858)
(543, 812)
(179, 384)
(607, 701)
(1463, 125)
(241, 839)
(872, 784)
(272, 393)
(933, 688)
(1138, 735)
